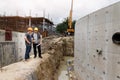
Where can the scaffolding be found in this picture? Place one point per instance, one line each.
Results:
(20, 24)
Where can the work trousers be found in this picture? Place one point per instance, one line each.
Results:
(27, 52)
(35, 47)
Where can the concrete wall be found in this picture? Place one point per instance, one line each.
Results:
(18, 38)
(11, 51)
(96, 56)
(7, 53)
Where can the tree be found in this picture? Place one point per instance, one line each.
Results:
(62, 27)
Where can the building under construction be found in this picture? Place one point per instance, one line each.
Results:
(20, 24)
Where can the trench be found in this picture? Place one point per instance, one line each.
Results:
(62, 72)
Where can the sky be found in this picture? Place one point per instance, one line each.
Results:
(55, 10)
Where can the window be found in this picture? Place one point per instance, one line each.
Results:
(8, 35)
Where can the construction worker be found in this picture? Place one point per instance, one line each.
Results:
(28, 42)
(37, 41)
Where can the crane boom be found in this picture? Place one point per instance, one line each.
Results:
(70, 28)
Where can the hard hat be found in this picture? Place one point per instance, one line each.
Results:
(30, 29)
(35, 29)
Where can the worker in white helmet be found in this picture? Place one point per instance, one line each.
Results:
(37, 41)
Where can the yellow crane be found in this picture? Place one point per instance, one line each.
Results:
(70, 28)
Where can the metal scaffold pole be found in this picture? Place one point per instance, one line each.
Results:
(43, 20)
(30, 19)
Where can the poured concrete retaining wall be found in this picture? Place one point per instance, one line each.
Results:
(11, 51)
(7, 53)
(96, 56)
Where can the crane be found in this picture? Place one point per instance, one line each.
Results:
(70, 28)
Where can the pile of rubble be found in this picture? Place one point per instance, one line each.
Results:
(67, 44)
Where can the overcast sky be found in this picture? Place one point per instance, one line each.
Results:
(56, 9)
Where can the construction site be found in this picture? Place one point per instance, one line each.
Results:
(91, 53)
